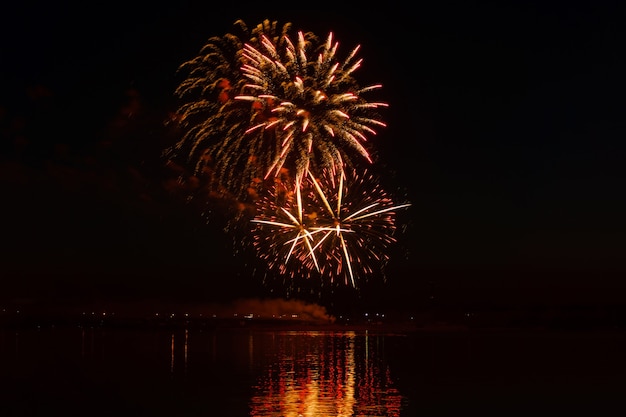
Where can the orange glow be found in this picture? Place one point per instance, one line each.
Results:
(306, 380)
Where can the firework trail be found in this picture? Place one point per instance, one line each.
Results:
(328, 227)
(268, 102)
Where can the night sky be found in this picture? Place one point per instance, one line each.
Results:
(506, 132)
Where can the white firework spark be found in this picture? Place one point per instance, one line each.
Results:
(342, 228)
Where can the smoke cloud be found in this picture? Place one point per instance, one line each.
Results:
(275, 308)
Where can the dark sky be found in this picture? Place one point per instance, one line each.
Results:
(505, 131)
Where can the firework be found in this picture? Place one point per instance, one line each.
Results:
(337, 226)
(265, 102)
(276, 121)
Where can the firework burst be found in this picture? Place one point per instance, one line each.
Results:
(337, 226)
(276, 122)
(263, 102)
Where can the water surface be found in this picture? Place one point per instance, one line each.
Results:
(94, 371)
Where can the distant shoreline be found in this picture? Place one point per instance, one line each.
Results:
(287, 325)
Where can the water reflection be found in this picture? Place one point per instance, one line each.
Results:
(323, 374)
(189, 372)
(76, 371)
(173, 350)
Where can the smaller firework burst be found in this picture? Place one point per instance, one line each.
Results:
(335, 227)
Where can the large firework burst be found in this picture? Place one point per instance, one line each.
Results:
(263, 102)
(337, 226)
